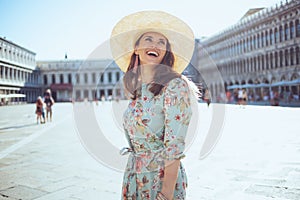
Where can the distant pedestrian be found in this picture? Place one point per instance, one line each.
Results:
(236, 96)
(244, 97)
(49, 101)
(228, 96)
(240, 97)
(39, 111)
(275, 100)
(207, 97)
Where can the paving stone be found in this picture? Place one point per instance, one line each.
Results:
(22, 192)
(274, 191)
(94, 194)
(65, 193)
(61, 184)
(4, 197)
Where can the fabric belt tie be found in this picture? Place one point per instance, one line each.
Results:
(125, 150)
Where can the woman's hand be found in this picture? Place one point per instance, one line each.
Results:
(170, 178)
(161, 196)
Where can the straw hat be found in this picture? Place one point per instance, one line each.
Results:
(131, 27)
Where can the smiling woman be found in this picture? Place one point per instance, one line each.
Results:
(153, 50)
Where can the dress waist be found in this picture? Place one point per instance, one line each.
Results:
(127, 150)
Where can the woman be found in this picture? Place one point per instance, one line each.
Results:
(159, 112)
(49, 101)
(39, 111)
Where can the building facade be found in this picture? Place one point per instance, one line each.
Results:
(78, 80)
(260, 54)
(19, 79)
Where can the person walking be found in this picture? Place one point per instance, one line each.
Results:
(39, 110)
(49, 101)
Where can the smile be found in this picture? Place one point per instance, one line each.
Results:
(152, 53)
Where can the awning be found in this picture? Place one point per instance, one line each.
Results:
(280, 83)
(249, 86)
(286, 83)
(12, 95)
(61, 86)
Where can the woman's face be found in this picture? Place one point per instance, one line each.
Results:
(151, 48)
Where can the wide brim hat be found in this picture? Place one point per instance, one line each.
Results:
(127, 31)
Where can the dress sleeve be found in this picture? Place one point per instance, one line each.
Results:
(178, 112)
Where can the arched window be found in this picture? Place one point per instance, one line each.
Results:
(271, 60)
(85, 78)
(254, 42)
(276, 36)
(45, 79)
(61, 78)
(118, 76)
(249, 64)
(286, 55)
(247, 45)
(291, 56)
(93, 77)
(77, 78)
(297, 56)
(271, 37)
(286, 32)
(69, 78)
(267, 38)
(297, 28)
(262, 63)
(276, 60)
(267, 61)
(292, 30)
(1, 71)
(258, 41)
(281, 58)
(53, 79)
(262, 39)
(109, 77)
(10, 74)
(281, 32)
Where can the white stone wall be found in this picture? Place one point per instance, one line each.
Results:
(18, 72)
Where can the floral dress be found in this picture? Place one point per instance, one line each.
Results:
(155, 127)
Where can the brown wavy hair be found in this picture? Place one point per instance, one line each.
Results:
(164, 72)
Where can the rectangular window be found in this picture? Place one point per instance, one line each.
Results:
(118, 76)
(94, 78)
(85, 78)
(109, 77)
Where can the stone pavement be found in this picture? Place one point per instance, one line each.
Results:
(47, 161)
(257, 157)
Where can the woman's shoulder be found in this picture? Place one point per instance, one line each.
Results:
(183, 84)
(177, 83)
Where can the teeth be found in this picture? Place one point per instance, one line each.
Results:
(152, 53)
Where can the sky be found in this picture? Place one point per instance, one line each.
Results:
(52, 28)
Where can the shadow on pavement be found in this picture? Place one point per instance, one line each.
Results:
(18, 126)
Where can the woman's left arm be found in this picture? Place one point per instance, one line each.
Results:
(178, 112)
(170, 178)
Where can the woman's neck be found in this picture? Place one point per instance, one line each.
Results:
(147, 73)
